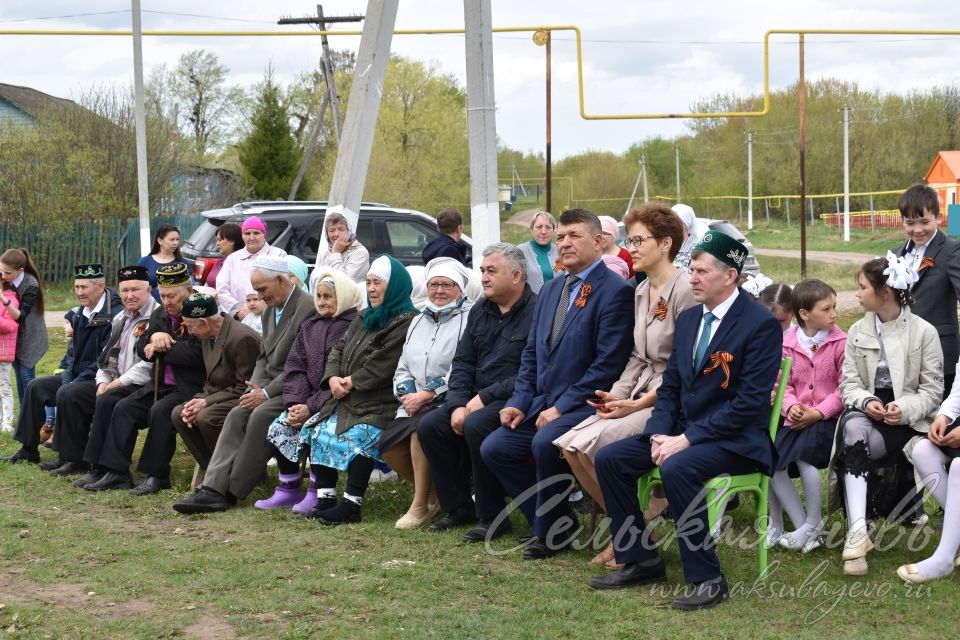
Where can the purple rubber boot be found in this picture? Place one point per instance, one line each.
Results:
(309, 500)
(287, 494)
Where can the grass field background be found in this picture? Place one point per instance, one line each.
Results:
(79, 565)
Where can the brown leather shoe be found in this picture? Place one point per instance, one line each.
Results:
(46, 433)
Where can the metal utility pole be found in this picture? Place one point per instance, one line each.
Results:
(750, 179)
(802, 90)
(542, 38)
(140, 122)
(481, 126)
(677, 148)
(353, 157)
(330, 97)
(643, 163)
(846, 174)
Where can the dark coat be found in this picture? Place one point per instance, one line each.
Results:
(446, 247)
(32, 339)
(694, 402)
(185, 356)
(307, 361)
(488, 355)
(937, 293)
(590, 351)
(229, 362)
(89, 339)
(370, 359)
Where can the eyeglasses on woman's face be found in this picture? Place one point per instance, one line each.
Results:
(637, 241)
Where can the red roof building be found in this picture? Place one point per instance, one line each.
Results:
(944, 176)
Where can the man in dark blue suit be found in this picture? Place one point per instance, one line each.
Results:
(580, 340)
(710, 418)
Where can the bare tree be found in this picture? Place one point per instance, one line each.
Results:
(204, 104)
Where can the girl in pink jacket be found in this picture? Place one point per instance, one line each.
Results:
(811, 406)
(8, 352)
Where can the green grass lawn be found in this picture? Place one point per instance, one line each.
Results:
(80, 565)
(820, 237)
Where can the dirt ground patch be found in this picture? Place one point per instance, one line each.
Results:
(69, 595)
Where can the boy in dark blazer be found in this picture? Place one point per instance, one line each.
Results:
(710, 418)
(936, 258)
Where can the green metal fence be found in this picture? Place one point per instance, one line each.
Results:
(114, 243)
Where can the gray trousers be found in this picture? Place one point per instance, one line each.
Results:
(240, 459)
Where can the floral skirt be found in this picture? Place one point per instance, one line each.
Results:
(337, 451)
(285, 437)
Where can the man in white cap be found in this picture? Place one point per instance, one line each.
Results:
(240, 457)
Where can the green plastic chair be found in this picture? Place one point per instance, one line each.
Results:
(721, 488)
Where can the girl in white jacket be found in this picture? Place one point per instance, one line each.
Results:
(892, 385)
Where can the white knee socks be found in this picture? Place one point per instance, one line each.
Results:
(941, 562)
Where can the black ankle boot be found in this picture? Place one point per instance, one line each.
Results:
(345, 512)
(323, 504)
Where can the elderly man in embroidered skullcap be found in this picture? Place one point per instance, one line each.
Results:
(710, 418)
(242, 450)
(120, 372)
(177, 374)
(230, 350)
(233, 281)
(91, 328)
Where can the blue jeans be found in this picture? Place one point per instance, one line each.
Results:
(23, 375)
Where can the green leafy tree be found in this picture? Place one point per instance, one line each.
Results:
(269, 155)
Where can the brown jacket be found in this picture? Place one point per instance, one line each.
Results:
(229, 362)
(277, 340)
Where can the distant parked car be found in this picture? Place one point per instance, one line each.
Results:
(752, 266)
(296, 227)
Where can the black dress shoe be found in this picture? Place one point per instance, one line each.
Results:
(152, 484)
(632, 574)
(51, 465)
(538, 549)
(23, 455)
(109, 481)
(526, 538)
(70, 468)
(203, 500)
(323, 504)
(483, 531)
(88, 478)
(703, 595)
(457, 518)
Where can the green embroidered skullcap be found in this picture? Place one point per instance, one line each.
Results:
(724, 248)
(88, 271)
(173, 275)
(199, 305)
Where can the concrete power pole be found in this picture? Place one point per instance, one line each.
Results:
(140, 120)
(750, 179)
(846, 174)
(353, 157)
(330, 96)
(677, 148)
(481, 126)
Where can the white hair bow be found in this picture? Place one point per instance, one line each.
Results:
(900, 275)
(755, 285)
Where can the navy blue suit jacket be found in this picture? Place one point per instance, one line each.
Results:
(693, 403)
(590, 352)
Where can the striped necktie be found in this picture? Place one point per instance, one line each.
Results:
(561, 313)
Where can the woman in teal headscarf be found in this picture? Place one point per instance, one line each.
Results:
(298, 271)
(343, 435)
(541, 252)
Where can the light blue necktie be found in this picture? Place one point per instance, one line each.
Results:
(704, 342)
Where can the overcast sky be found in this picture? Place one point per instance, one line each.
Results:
(638, 56)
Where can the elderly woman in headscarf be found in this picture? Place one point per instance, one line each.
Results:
(342, 251)
(691, 235)
(343, 435)
(304, 394)
(420, 382)
(298, 271)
